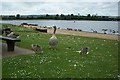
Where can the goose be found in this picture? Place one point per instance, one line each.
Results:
(53, 41)
(6, 31)
(13, 35)
(37, 48)
(84, 50)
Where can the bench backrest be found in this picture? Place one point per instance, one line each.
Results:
(9, 38)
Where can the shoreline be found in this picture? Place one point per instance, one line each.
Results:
(85, 34)
(79, 33)
(54, 19)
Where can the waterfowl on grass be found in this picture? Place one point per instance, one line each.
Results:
(6, 31)
(84, 50)
(53, 41)
(13, 35)
(37, 48)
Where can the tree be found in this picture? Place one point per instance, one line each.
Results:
(72, 14)
(62, 15)
(88, 15)
(18, 16)
(47, 15)
(57, 15)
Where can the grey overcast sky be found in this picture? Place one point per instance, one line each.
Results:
(59, 7)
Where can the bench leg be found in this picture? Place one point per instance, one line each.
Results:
(10, 45)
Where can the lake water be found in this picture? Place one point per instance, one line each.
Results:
(83, 25)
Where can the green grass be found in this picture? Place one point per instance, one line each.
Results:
(65, 62)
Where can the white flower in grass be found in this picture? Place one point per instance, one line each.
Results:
(110, 55)
(9, 62)
(33, 62)
(84, 41)
(32, 57)
(102, 44)
(49, 61)
(22, 73)
(29, 73)
(15, 76)
(109, 74)
(94, 61)
(77, 62)
(18, 71)
(80, 69)
(73, 48)
(57, 67)
(40, 62)
(116, 43)
(20, 59)
(119, 76)
(28, 35)
(67, 48)
(104, 40)
(58, 57)
(88, 74)
(91, 50)
(96, 48)
(11, 74)
(15, 64)
(66, 52)
(65, 70)
(58, 72)
(69, 60)
(36, 75)
(27, 61)
(75, 65)
(90, 43)
(81, 65)
(93, 40)
(39, 76)
(99, 70)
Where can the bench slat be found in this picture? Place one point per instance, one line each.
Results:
(9, 38)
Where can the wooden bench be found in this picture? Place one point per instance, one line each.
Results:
(10, 42)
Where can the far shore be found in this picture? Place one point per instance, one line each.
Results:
(79, 33)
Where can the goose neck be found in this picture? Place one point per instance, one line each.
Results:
(54, 31)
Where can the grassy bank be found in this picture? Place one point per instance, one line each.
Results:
(65, 62)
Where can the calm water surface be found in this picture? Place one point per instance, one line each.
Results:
(83, 25)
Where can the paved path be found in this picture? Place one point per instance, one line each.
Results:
(17, 51)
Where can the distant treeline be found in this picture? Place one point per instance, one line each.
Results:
(60, 17)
